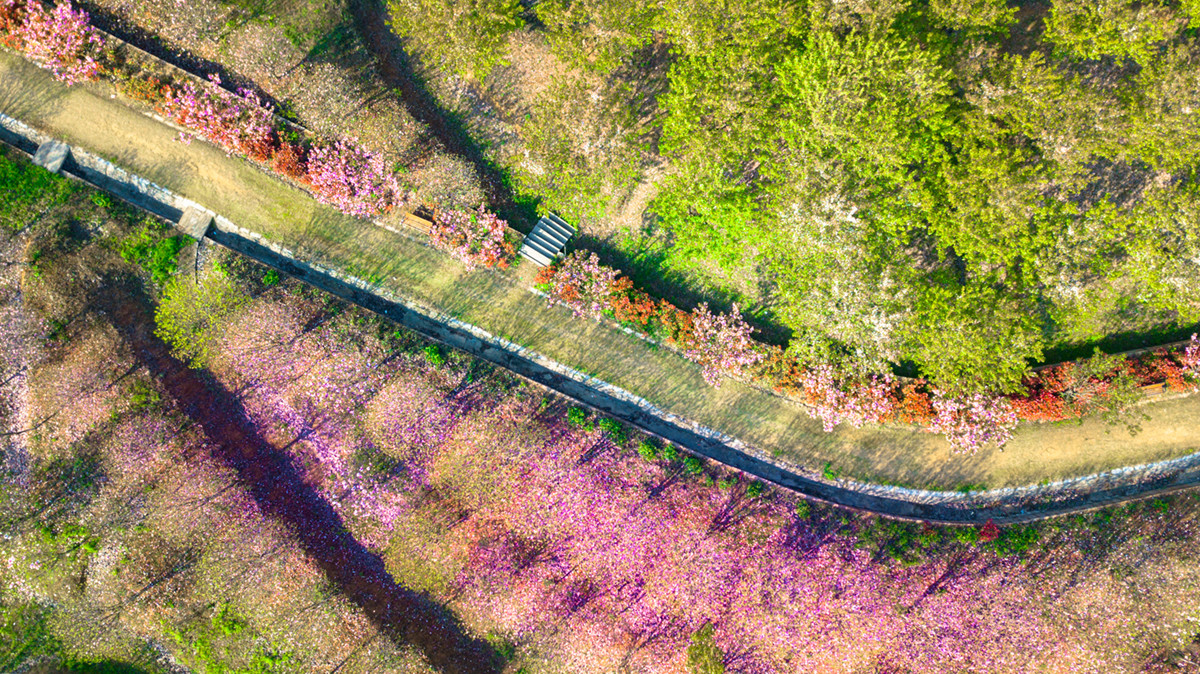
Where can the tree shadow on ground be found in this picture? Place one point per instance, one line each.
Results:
(398, 71)
(402, 614)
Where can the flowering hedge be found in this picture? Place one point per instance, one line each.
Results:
(355, 180)
(835, 401)
(477, 238)
(60, 39)
(719, 343)
(722, 344)
(238, 123)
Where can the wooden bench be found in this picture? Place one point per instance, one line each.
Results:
(1155, 389)
(416, 222)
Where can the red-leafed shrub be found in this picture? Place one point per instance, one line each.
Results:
(1044, 406)
(913, 405)
(989, 532)
(289, 161)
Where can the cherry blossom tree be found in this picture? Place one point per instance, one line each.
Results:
(238, 122)
(580, 282)
(355, 180)
(972, 421)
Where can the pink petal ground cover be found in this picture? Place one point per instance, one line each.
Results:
(536, 529)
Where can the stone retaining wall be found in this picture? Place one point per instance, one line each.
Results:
(943, 507)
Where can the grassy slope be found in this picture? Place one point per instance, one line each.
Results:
(89, 117)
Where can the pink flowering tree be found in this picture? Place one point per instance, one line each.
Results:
(235, 122)
(354, 180)
(580, 282)
(477, 238)
(1191, 357)
(837, 400)
(61, 40)
(721, 344)
(972, 421)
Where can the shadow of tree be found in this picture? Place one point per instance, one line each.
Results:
(405, 616)
(22, 97)
(397, 70)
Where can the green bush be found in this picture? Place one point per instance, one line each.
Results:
(434, 355)
(829, 472)
(614, 429)
(755, 489)
(153, 253)
(803, 509)
(1015, 541)
(670, 453)
(966, 535)
(578, 417)
(647, 450)
(270, 278)
(693, 465)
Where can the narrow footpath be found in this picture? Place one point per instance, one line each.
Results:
(493, 317)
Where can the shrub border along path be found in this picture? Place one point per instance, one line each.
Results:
(1005, 506)
(86, 117)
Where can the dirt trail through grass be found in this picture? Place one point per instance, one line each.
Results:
(405, 616)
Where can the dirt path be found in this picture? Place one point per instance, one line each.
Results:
(266, 472)
(90, 119)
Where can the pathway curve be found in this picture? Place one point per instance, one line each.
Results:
(1181, 470)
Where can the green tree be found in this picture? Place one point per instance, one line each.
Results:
(703, 654)
(597, 34)
(985, 16)
(466, 37)
(973, 338)
(191, 313)
(868, 112)
(1091, 29)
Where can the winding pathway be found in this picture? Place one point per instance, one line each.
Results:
(1004, 506)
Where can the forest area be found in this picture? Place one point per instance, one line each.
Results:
(959, 188)
(209, 467)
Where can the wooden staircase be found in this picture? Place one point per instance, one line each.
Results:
(547, 240)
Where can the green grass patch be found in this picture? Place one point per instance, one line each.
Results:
(152, 252)
(28, 190)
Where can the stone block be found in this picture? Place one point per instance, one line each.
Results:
(195, 223)
(51, 155)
